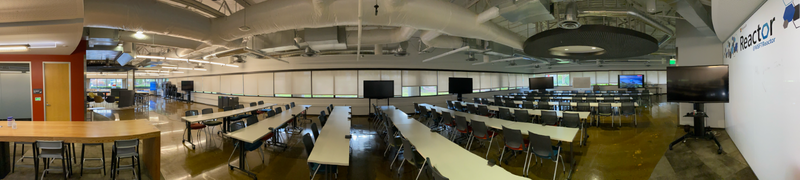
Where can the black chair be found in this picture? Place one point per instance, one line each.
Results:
(628, 109)
(484, 101)
(278, 110)
(564, 106)
(287, 107)
(605, 109)
(213, 123)
(253, 104)
(583, 106)
(476, 100)
(505, 113)
(528, 104)
(240, 106)
(498, 101)
(450, 105)
(260, 102)
(482, 133)
(471, 109)
(315, 130)
(514, 142)
(541, 146)
(322, 118)
(510, 103)
(292, 104)
(483, 110)
(549, 118)
(544, 105)
(412, 157)
(521, 115)
(458, 106)
(462, 126)
(434, 172)
(573, 120)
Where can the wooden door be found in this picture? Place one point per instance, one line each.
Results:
(56, 92)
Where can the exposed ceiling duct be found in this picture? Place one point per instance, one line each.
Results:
(524, 11)
(694, 12)
(634, 13)
(242, 51)
(381, 36)
(147, 16)
(570, 20)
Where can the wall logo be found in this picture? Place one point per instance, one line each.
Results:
(791, 14)
(760, 37)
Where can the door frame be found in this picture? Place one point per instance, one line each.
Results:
(30, 79)
(44, 86)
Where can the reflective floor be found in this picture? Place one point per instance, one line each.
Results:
(624, 152)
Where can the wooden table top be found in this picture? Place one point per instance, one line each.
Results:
(79, 131)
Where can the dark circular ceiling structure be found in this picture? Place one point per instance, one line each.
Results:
(596, 42)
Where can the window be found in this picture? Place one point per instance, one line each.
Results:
(106, 83)
(346, 96)
(411, 91)
(562, 80)
(283, 95)
(322, 96)
(427, 90)
(143, 83)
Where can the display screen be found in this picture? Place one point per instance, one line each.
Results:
(541, 83)
(697, 84)
(187, 85)
(460, 85)
(631, 81)
(378, 89)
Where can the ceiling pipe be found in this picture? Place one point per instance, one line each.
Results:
(694, 12)
(435, 39)
(635, 13)
(446, 53)
(379, 49)
(360, 29)
(499, 60)
(488, 14)
(382, 36)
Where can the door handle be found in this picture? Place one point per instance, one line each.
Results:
(47, 104)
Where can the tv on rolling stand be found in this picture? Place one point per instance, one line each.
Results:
(459, 86)
(541, 83)
(698, 85)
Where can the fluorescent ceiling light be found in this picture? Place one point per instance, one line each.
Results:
(14, 48)
(185, 68)
(216, 63)
(197, 61)
(169, 67)
(177, 59)
(149, 57)
(177, 71)
(200, 69)
(231, 65)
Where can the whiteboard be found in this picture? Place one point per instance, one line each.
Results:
(581, 82)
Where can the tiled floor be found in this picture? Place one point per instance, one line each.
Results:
(625, 152)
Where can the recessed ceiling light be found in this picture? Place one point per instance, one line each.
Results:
(566, 49)
(139, 32)
(594, 47)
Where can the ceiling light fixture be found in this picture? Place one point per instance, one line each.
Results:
(149, 57)
(14, 48)
(231, 65)
(609, 42)
(200, 69)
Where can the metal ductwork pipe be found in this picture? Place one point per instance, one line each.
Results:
(635, 13)
(441, 41)
(488, 14)
(381, 36)
(379, 49)
(571, 17)
(146, 16)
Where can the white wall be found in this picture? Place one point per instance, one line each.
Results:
(761, 117)
(696, 49)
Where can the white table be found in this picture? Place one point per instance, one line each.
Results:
(538, 112)
(452, 160)
(574, 104)
(564, 134)
(255, 132)
(218, 115)
(331, 147)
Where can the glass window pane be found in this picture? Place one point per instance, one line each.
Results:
(427, 91)
(410, 91)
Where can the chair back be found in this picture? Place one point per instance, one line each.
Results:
(329, 109)
(251, 120)
(513, 139)
(208, 111)
(292, 104)
(287, 107)
(591, 99)
(447, 118)
(510, 103)
(227, 108)
(98, 99)
(423, 111)
(541, 144)
(435, 117)
(459, 107)
(409, 151)
(484, 101)
(521, 115)
(461, 124)
(110, 99)
(627, 108)
(483, 110)
(543, 104)
(549, 118)
(416, 107)
(476, 100)
(253, 104)
(236, 126)
(498, 101)
(191, 113)
(240, 106)
(315, 130)
(50, 149)
(308, 143)
(505, 114)
(129, 145)
(584, 106)
(331, 106)
(604, 109)
(260, 102)
(435, 172)
(450, 105)
(528, 104)
(322, 113)
(278, 110)
(479, 129)
(270, 113)
(471, 109)
(323, 120)
(572, 120)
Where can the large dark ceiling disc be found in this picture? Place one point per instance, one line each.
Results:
(590, 42)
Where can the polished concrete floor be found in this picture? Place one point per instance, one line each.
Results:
(697, 159)
(624, 152)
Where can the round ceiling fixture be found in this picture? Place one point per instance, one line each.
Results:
(569, 24)
(590, 42)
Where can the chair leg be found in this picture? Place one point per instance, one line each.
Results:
(83, 160)
(501, 156)
(395, 158)
(421, 168)
(489, 148)
(14, 156)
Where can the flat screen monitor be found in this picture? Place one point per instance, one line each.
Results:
(187, 85)
(631, 81)
(460, 85)
(378, 89)
(698, 84)
(541, 83)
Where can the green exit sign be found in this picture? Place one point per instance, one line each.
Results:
(38, 99)
(672, 61)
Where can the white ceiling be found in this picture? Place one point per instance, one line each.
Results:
(56, 24)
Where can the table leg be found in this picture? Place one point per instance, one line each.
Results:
(151, 155)
(5, 160)
(572, 158)
(242, 163)
(188, 134)
(225, 125)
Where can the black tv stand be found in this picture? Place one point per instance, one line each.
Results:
(458, 97)
(699, 128)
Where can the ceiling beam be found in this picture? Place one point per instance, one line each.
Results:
(201, 7)
(245, 3)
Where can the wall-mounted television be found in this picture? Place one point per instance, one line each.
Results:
(378, 89)
(541, 83)
(187, 85)
(631, 81)
(459, 85)
(698, 84)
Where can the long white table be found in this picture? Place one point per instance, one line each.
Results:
(332, 148)
(450, 159)
(569, 98)
(255, 132)
(575, 104)
(563, 134)
(223, 115)
(538, 112)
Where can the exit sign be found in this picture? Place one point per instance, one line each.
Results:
(672, 61)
